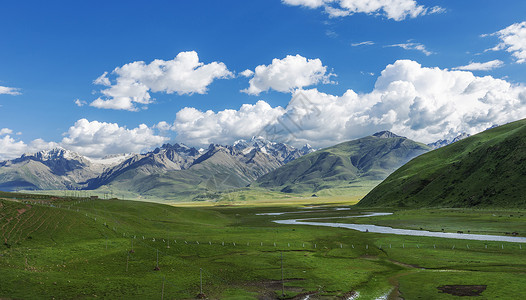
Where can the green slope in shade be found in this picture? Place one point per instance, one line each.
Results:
(484, 170)
(347, 164)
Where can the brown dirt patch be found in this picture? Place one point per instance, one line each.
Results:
(267, 288)
(463, 290)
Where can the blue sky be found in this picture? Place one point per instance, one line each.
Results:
(51, 53)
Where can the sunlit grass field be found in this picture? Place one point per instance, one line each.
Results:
(81, 248)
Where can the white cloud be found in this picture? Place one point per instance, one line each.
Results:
(134, 82)
(365, 43)
(306, 3)
(11, 148)
(93, 139)
(425, 104)
(80, 103)
(331, 33)
(103, 80)
(247, 73)
(397, 10)
(201, 128)
(97, 139)
(163, 126)
(513, 40)
(5, 131)
(4, 90)
(287, 74)
(486, 66)
(413, 46)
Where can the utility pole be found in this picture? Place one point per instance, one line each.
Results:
(282, 278)
(162, 291)
(201, 276)
(157, 267)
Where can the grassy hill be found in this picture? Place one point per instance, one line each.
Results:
(352, 163)
(484, 170)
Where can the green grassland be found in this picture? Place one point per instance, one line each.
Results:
(79, 248)
(239, 196)
(485, 170)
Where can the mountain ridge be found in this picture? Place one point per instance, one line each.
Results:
(58, 168)
(369, 158)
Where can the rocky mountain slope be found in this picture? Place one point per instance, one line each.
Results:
(177, 170)
(173, 166)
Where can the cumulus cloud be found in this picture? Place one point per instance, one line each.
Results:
(287, 74)
(97, 139)
(413, 46)
(486, 66)
(247, 73)
(425, 104)
(513, 40)
(201, 128)
(134, 82)
(11, 148)
(93, 139)
(5, 131)
(9, 91)
(397, 10)
(163, 126)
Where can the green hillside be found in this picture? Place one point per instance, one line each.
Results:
(352, 163)
(484, 170)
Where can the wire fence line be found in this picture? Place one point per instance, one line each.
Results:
(253, 243)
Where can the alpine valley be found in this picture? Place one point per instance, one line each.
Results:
(181, 173)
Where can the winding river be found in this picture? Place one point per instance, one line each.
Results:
(390, 230)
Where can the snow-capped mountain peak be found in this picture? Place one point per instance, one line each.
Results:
(444, 142)
(54, 154)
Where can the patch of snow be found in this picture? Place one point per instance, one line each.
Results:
(247, 150)
(110, 160)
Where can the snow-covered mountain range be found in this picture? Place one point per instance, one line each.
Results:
(60, 169)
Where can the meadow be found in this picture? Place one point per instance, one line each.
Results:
(65, 247)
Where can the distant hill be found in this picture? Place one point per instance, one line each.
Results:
(484, 170)
(369, 158)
